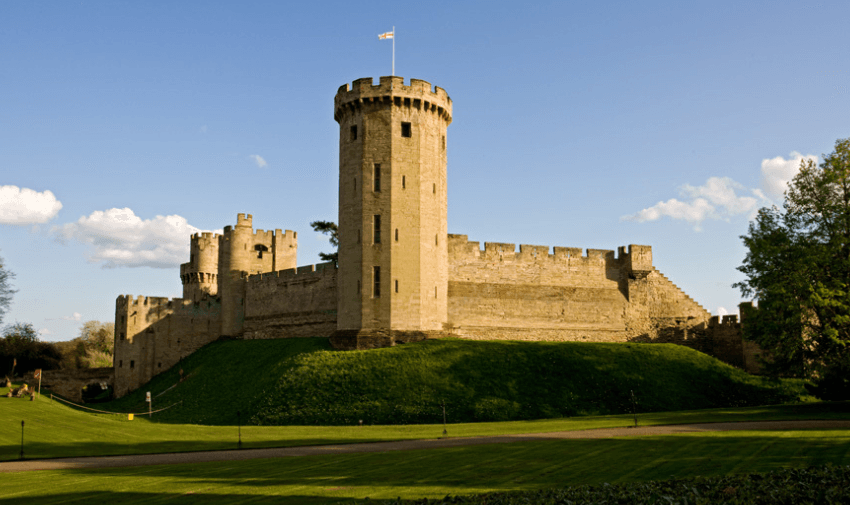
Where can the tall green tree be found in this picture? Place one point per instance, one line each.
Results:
(798, 268)
(6, 290)
(328, 228)
(21, 351)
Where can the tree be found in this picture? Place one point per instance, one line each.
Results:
(328, 228)
(92, 349)
(21, 351)
(6, 290)
(798, 268)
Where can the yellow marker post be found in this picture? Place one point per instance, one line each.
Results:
(129, 417)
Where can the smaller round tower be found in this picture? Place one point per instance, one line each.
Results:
(200, 275)
(235, 258)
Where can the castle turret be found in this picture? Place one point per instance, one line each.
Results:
(200, 275)
(393, 259)
(244, 252)
(235, 258)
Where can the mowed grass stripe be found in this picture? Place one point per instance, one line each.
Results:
(435, 473)
(55, 430)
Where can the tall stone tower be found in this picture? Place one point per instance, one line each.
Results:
(393, 256)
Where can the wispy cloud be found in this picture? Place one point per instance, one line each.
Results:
(723, 198)
(119, 238)
(24, 206)
(718, 198)
(261, 163)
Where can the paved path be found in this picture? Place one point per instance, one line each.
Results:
(403, 445)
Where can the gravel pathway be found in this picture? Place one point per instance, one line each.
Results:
(403, 445)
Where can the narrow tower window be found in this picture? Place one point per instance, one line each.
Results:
(437, 239)
(377, 238)
(354, 132)
(444, 142)
(396, 285)
(435, 188)
(396, 234)
(376, 274)
(405, 130)
(377, 177)
(355, 186)
(403, 182)
(358, 236)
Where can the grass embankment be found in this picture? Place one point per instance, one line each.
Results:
(302, 381)
(55, 430)
(468, 470)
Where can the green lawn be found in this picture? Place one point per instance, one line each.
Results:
(437, 472)
(55, 430)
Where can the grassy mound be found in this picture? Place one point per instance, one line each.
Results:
(302, 381)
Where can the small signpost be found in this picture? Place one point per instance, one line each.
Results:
(445, 432)
(148, 399)
(37, 375)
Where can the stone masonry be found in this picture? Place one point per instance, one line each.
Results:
(402, 277)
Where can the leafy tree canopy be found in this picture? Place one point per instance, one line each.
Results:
(328, 228)
(798, 268)
(21, 351)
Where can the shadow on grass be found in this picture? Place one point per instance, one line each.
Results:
(458, 470)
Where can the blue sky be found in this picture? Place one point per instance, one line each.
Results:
(578, 124)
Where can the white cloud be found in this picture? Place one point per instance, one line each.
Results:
(261, 163)
(23, 206)
(122, 239)
(44, 332)
(721, 311)
(716, 199)
(76, 316)
(777, 172)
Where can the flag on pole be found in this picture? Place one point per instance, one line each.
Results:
(387, 35)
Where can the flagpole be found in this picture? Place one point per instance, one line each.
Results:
(393, 51)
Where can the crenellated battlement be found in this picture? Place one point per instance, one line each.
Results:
(461, 249)
(391, 90)
(317, 270)
(130, 301)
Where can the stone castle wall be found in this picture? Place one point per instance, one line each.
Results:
(499, 293)
(291, 303)
(153, 334)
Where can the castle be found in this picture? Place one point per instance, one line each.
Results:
(402, 277)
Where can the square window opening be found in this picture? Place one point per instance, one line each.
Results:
(405, 130)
